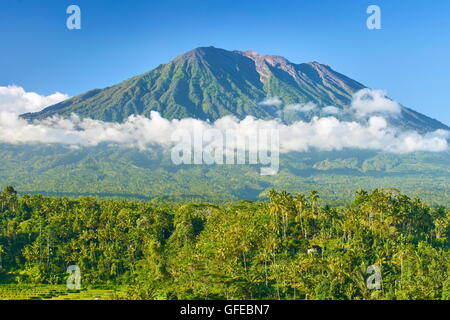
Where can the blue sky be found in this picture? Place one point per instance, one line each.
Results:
(409, 57)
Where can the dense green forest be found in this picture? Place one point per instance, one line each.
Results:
(290, 247)
(119, 172)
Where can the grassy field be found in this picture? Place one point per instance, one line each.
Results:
(55, 292)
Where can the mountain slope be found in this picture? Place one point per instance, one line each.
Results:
(209, 83)
(129, 173)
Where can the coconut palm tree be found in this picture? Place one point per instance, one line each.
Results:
(300, 205)
(314, 199)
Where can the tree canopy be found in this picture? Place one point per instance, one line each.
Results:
(293, 246)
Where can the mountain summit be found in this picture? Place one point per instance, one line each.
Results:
(208, 83)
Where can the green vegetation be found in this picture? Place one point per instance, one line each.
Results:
(238, 250)
(114, 172)
(205, 83)
(210, 83)
(56, 292)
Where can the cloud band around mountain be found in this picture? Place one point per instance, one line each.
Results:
(327, 133)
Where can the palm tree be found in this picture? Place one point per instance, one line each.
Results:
(275, 207)
(286, 203)
(314, 199)
(300, 204)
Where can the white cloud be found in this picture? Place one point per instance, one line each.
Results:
(272, 101)
(331, 134)
(331, 110)
(367, 101)
(321, 133)
(16, 100)
(301, 107)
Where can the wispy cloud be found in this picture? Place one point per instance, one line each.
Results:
(368, 102)
(301, 107)
(272, 101)
(331, 110)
